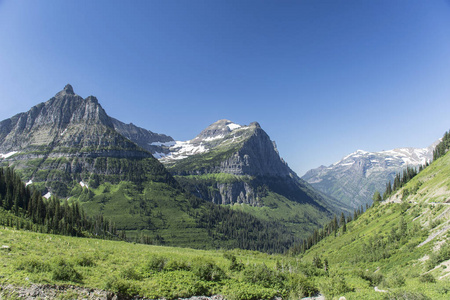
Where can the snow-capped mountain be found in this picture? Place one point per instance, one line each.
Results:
(226, 147)
(217, 134)
(228, 163)
(356, 177)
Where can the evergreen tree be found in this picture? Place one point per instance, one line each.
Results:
(376, 197)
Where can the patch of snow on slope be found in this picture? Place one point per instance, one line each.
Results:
(8, 154)
(184, 149)
(167, 144)
(29, 182)
(208, 139)
(83, 184)
(158, 155)
(48, 195)
(233, 126)
(62, 133)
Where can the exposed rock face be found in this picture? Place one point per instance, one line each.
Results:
(242, 150)
(69, 138)
(356, 177)
(257, 157)
(245, 153)
(49, 121)
(157, 144)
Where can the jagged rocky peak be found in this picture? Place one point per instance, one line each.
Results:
(69, 89)
(49, 120)
(68, 107)
(218, 129)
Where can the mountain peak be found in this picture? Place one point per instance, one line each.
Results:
(218, 129)
(69, 89)
(255, 124)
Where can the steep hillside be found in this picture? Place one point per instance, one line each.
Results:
(400, 245)
(354, 179)
(237, 165)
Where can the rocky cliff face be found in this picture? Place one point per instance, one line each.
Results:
(246, 164)
(356, 177)
(229, 148)
(157, 144)
(69, 138)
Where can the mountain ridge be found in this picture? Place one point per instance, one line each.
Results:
(355, 178)
(70, 147)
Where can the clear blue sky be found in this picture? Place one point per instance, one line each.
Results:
(323, 78)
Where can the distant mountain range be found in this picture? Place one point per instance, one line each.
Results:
(355, 178)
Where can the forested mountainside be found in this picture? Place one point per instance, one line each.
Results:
(239, 166)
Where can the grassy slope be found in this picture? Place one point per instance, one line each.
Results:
(358, 260)
(407, 257)
(299, 214)
(155, 208)
(300, 218)
(133, 268)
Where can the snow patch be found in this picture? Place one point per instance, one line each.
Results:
(214, 138)
(62, 133)
(182, 150)
(167, 144)
(48, 195)
(158, 155)
(83, 184)
(8, 154)
(29, 182)
(233, 126)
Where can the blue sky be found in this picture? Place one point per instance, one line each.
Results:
(323, 78)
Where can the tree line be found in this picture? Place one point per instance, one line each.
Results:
(334, 227)
(33, 212)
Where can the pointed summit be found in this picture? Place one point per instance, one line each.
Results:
(68, 89)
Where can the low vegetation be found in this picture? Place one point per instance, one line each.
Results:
(150, 271)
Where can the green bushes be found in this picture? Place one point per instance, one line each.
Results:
(85, 260)
(406, 295)
(179, 284)
(121, 286)
(207, 270)
(33, 265)
(334, 286)
(159, 264)
(64, 271)
(393, 281)
(427, 278)
(262, 275)
(234, 264)
(300, 286)
(247, 291)
(131, 273)
(156, 264)
(373, 278)
(437, 257)
(60, 269)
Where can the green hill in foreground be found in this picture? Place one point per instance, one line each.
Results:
(149, 271)
(399, 245)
